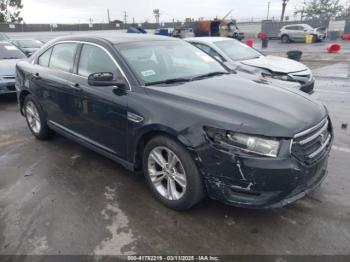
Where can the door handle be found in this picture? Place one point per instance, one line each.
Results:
(36, 76)
(75, 86)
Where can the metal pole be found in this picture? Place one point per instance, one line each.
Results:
(268, 10)
(108, 16)
(125, 18)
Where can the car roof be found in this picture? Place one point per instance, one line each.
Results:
(209, 39)
(117, 38)
(23, 39)
(297, 25)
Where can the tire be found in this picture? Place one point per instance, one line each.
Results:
(36, 119)
(285, 39)
(184, 172)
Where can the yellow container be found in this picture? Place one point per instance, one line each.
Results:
(309, 39)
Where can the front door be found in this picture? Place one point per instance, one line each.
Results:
(102, 109)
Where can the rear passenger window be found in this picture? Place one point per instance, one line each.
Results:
(95, 60)
(62, 56)
(44, 59)
(210, 51)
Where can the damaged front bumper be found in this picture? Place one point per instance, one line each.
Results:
(249, 182)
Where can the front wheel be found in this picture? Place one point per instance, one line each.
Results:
(172, 174)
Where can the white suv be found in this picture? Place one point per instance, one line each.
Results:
(298, 32)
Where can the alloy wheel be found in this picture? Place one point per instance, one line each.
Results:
(33, 118)
(167, 173)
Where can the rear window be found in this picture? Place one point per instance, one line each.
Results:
(9, 51)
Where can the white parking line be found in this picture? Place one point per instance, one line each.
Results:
(341, 149)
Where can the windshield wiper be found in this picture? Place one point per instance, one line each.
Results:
(169, 81)
(211, 74)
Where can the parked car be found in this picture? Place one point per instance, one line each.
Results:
(160, 105)
(298, 32)
(9, 56)
(27, 46)
(244, 58)
(162, 31)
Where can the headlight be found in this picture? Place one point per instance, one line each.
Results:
(258, 145)
(283, 77)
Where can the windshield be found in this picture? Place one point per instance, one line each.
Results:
(236, 50)
(157, 61)
(29, 43)
(308, 27)
(8, 51)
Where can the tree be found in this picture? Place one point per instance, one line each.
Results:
(10, 11)
(323, 10)
(345, 14)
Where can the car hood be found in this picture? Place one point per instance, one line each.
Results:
(254, 73)
(248, 106)
(276, 64)
(30, 49)
(8, 67)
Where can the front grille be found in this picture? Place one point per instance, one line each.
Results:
(311, 145)
(11, 88)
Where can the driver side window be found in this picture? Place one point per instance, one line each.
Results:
(93, 59)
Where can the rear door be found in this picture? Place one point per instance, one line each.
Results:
(102, 109)
(301, 33)
(50, 82)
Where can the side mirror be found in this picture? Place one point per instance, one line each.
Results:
(105, 79)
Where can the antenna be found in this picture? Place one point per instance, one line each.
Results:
(227, 15)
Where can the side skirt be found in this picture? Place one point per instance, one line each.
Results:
(84, 141)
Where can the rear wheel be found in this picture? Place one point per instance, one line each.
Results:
(36, 119)
(172, 174)
(285, 39)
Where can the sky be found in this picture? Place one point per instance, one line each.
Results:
(81, 11)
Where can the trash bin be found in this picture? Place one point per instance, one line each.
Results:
(309, 39)
(295, 55)
(263, 37)
(264, 43)
(333, 48)
(333, 35)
